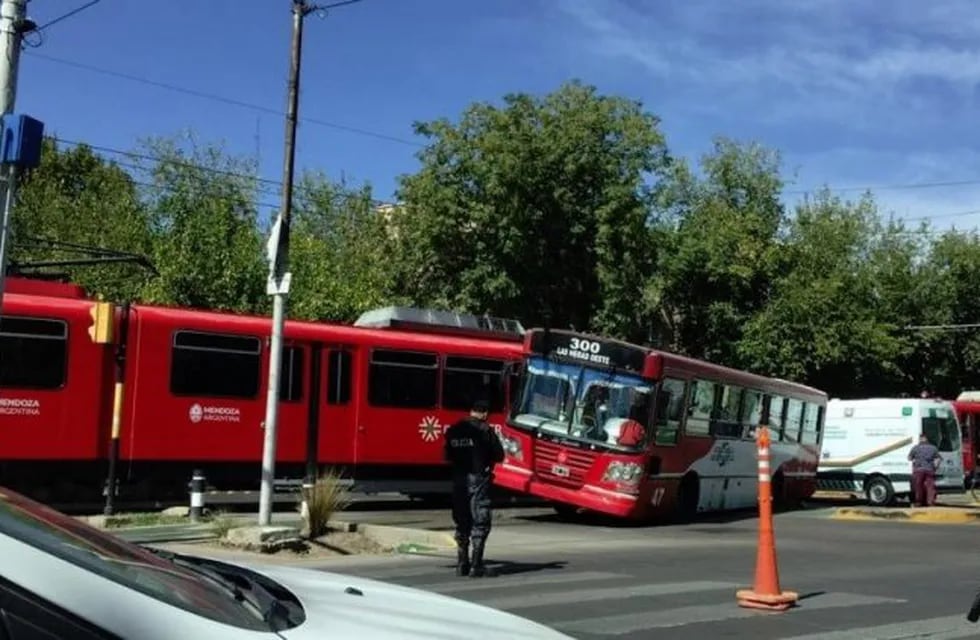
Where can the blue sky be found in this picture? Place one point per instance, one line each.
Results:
(851, 96)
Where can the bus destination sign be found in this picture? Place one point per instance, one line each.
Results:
(588, 350)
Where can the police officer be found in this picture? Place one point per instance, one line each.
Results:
(472, 449)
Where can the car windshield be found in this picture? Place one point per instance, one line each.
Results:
(594, 406)
(115, 559)
(939, 425)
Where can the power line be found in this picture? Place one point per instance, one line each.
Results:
(405, 141)
(68, 15)
(223, 99)
(190, 165)
(891, 187)
(276, 184)
(390, 138)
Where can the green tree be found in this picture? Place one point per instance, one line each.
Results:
(947, 361)
(537, 209)
(340, 252)
(721, 249)
(76, 197)
(206, 239)
(826, 322)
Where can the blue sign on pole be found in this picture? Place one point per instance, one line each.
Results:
(20, 144)
(20, 148)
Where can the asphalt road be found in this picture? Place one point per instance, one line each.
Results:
(856, 580)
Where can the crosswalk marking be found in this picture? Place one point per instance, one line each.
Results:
(944, 628)
(632, 622)
(625, 604)
(530, 600)
(514, 582)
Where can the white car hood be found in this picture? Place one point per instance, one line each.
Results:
(387, 611)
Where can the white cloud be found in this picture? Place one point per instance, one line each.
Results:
(853, 94)
(802, 45)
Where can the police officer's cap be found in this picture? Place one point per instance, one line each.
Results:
(481, 406)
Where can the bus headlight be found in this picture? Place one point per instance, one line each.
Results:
(629, 472)
(512, 447)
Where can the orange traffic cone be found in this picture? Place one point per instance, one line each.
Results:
(766, 593)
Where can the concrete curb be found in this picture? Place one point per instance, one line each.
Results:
(402, 539)
(926, 515)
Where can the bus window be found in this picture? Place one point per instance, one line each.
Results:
(212, 364)
(670, 410)
(338, 377)
(700, 409)
(726, 423)
(465, 379)
(33, 353)
(751, 415)
(777, 410)
(403, 379)
(794, 419)
(810, 434)
(546, 395)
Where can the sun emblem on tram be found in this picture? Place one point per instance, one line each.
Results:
(430, 429)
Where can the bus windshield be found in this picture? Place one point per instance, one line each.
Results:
(594, 406)
(941, 429)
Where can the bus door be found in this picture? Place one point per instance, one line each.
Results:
(338, 411)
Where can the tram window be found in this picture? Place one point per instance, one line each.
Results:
(403, 379)
(465, 379)
(217, 365)
(670, 411)
(291, 377)
(33, 353)
(338, 377)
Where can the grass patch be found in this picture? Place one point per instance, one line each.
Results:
(221, 522)
(142, 520)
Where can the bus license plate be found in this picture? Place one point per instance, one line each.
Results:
(560, 470)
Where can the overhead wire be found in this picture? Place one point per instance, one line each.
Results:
(396, 139)
(223, 99)
(270, 182)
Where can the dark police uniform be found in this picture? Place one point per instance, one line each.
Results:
(472, 449)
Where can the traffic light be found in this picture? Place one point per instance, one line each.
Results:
(100, 331)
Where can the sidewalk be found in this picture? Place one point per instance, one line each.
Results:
(952, 508)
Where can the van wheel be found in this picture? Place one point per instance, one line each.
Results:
(879, 491)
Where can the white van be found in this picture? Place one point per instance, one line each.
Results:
(866, 444)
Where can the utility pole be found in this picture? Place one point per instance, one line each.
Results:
(278, 285)
(13, 25)
(277, 250)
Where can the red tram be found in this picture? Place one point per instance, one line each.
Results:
(155, 392)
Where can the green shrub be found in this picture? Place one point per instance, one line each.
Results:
(324, 499)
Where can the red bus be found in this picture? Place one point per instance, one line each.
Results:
(371, 400)
(967, 406)
(633, 432)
